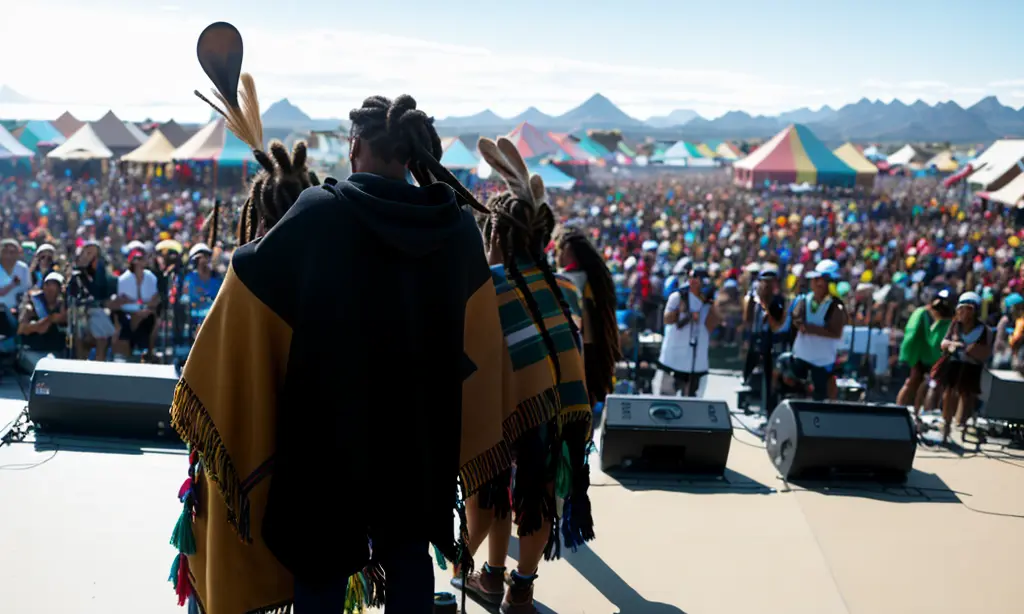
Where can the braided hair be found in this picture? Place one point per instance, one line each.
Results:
(601, 359)
(275, 189)
(520, 228)
(398, 131)
(282, 177)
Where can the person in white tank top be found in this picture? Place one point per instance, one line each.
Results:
(689, 319)
(819, 317)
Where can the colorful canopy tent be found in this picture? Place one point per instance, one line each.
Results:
(457, 156)
(873, 153)
(214, 143)
(174, 133)
(67, 124)
(115, 135)
(626, 149)
(591, 146)
(82, 145)
(553, 178)
(532, 143)
(724, 150)
(706, 151)
(678, 154)
(866, 171)
(10, 148)
(1010, 194)
(997, 165)
(38, 133)
(907, 155)
(157, 149)
(943, 162)
(571, 152)
(794, 155)
(136, 131)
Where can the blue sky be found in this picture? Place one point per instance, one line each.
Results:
(459, 57)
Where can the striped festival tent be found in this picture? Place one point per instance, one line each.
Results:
(794, 155)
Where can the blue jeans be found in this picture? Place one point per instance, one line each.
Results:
(408, 569)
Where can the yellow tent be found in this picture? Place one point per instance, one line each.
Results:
(156, 150)
(866, 171)
(727, 151)
(706, 151)
(943, 162)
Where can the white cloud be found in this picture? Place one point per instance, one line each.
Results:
(141, 65)
(1007, 83)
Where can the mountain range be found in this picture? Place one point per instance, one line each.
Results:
(862, 121)
(865, 120)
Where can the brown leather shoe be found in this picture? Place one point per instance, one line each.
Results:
(487, 584)
(518, 599)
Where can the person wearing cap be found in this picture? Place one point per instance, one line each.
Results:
(966, 347)
(921, 346)
(1002, 350)
(43, 263)
(14, 283)
(819, 319)
(42, 319)
(689, 320)
(140, 296)
(201, 283)
(764, 312)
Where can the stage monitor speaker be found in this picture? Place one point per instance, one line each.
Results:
(106, 399)
(814, 440)
(1002, 392)
(665, 434)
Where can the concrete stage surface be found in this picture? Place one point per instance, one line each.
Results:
(84, 526)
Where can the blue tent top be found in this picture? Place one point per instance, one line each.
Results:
(458, 157)
(553, 178)
(38, 131)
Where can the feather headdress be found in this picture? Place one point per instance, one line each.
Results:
(220, 54)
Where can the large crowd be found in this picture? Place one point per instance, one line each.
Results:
(894, 248)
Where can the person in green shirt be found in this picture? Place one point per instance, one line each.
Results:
(921, 349)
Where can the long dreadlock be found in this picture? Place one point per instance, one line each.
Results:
(398, 131)
(599, 360)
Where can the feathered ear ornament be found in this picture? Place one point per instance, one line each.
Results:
(220, 54)
(504, 158)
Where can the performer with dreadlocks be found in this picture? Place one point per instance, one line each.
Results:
(549, 418)
(310, 477)
(583, 265)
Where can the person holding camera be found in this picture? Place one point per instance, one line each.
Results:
(764, 312)
(689, 320)
(14, 283)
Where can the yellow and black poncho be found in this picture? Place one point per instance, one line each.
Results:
(349, 372)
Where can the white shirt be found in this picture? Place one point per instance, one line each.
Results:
(676, 350)
(128, 285)
(20, 270)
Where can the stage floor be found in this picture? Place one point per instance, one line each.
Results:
(84, 528)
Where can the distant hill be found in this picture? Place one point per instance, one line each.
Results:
(804, 115)
(285, 114)
(596, 112)
(534, 116)
(9, 96)
(679, 117)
